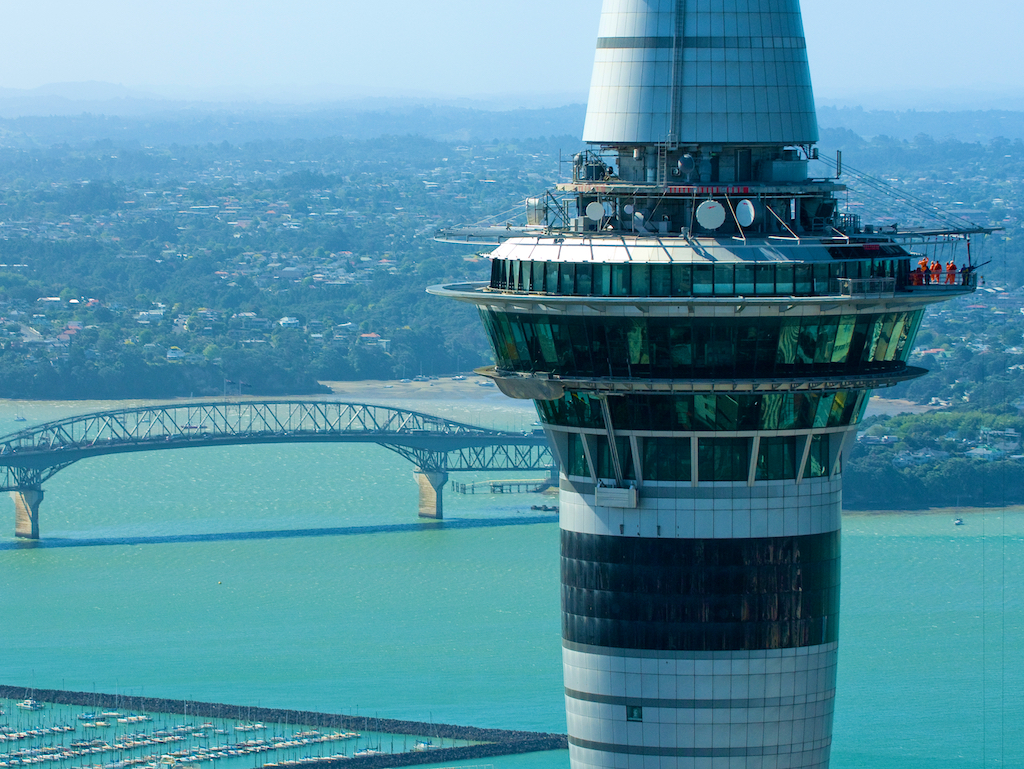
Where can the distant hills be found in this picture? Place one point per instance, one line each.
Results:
(83, 113)
(966, 126)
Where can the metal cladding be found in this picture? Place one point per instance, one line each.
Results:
(701, 72)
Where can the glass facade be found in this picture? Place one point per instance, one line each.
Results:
(700, 594)
(666, 459)
(763, 411)
(701, 348)
(730, 279)
(723, 459)
(718, 459)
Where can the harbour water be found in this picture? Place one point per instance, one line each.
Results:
(300, 577)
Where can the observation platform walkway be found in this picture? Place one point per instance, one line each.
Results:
(435, 445)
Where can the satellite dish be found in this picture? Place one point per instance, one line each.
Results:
(711, 214)
(745, 213)
(595, 212)
(687, 164)
(628, 209)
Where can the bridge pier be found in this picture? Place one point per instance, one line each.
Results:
(26, 512)
(431, 483)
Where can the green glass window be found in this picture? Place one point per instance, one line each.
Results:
(551, 278)
(577, 459)
(803, 280)
(724, 280)
(605, 467)
(620, 280)
(645, 279)
(567, 278)
(703, 277)
(824, 409)
(537, 276)
(682, 280)
(666, 459)
(584, 279)
(777, 458)
(769, 411)
(661, 280)
(817, 457)
(784, 279)
(744, 279)
(723, 459)
(640, 280)
(677, 348)
(764, 279)
(844, 337)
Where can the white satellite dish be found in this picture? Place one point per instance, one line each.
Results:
(711, 214)
(628, 209)
(595, 212)
(745, 213)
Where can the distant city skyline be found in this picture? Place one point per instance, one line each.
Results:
(882, 54)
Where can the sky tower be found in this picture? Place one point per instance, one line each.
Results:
(700, 328)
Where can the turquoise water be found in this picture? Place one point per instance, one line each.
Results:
(300, 577)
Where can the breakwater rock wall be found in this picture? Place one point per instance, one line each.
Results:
(493, 742)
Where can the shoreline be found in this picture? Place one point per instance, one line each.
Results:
(956, 512)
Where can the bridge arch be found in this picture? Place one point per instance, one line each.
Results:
(435, 445)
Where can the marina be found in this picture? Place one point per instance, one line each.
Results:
(61, 734)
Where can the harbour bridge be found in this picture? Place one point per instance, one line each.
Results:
(435, 445)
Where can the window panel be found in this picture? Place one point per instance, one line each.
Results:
(764, 279)
(666, 459)
(640, 280)
(776, 458)
(682, 283)
(744, 279)
(551, 278)
(803, 285)
(702, 279)
(537, 276)
(620, 280)
(602, 280)
(724, 277)
(584, 279)
(817, 457)
(567, 278)
(723, 459)
(784, 279)
(661, 280)
(577, 457)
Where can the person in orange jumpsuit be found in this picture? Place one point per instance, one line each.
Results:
(936, 272)
(950, 273)
(923, 266)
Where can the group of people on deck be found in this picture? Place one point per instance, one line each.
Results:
(930, 273)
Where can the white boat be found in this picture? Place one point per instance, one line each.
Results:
(30, 704)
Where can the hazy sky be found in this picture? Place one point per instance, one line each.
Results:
(464, 48)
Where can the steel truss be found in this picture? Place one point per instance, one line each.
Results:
(32, 456)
